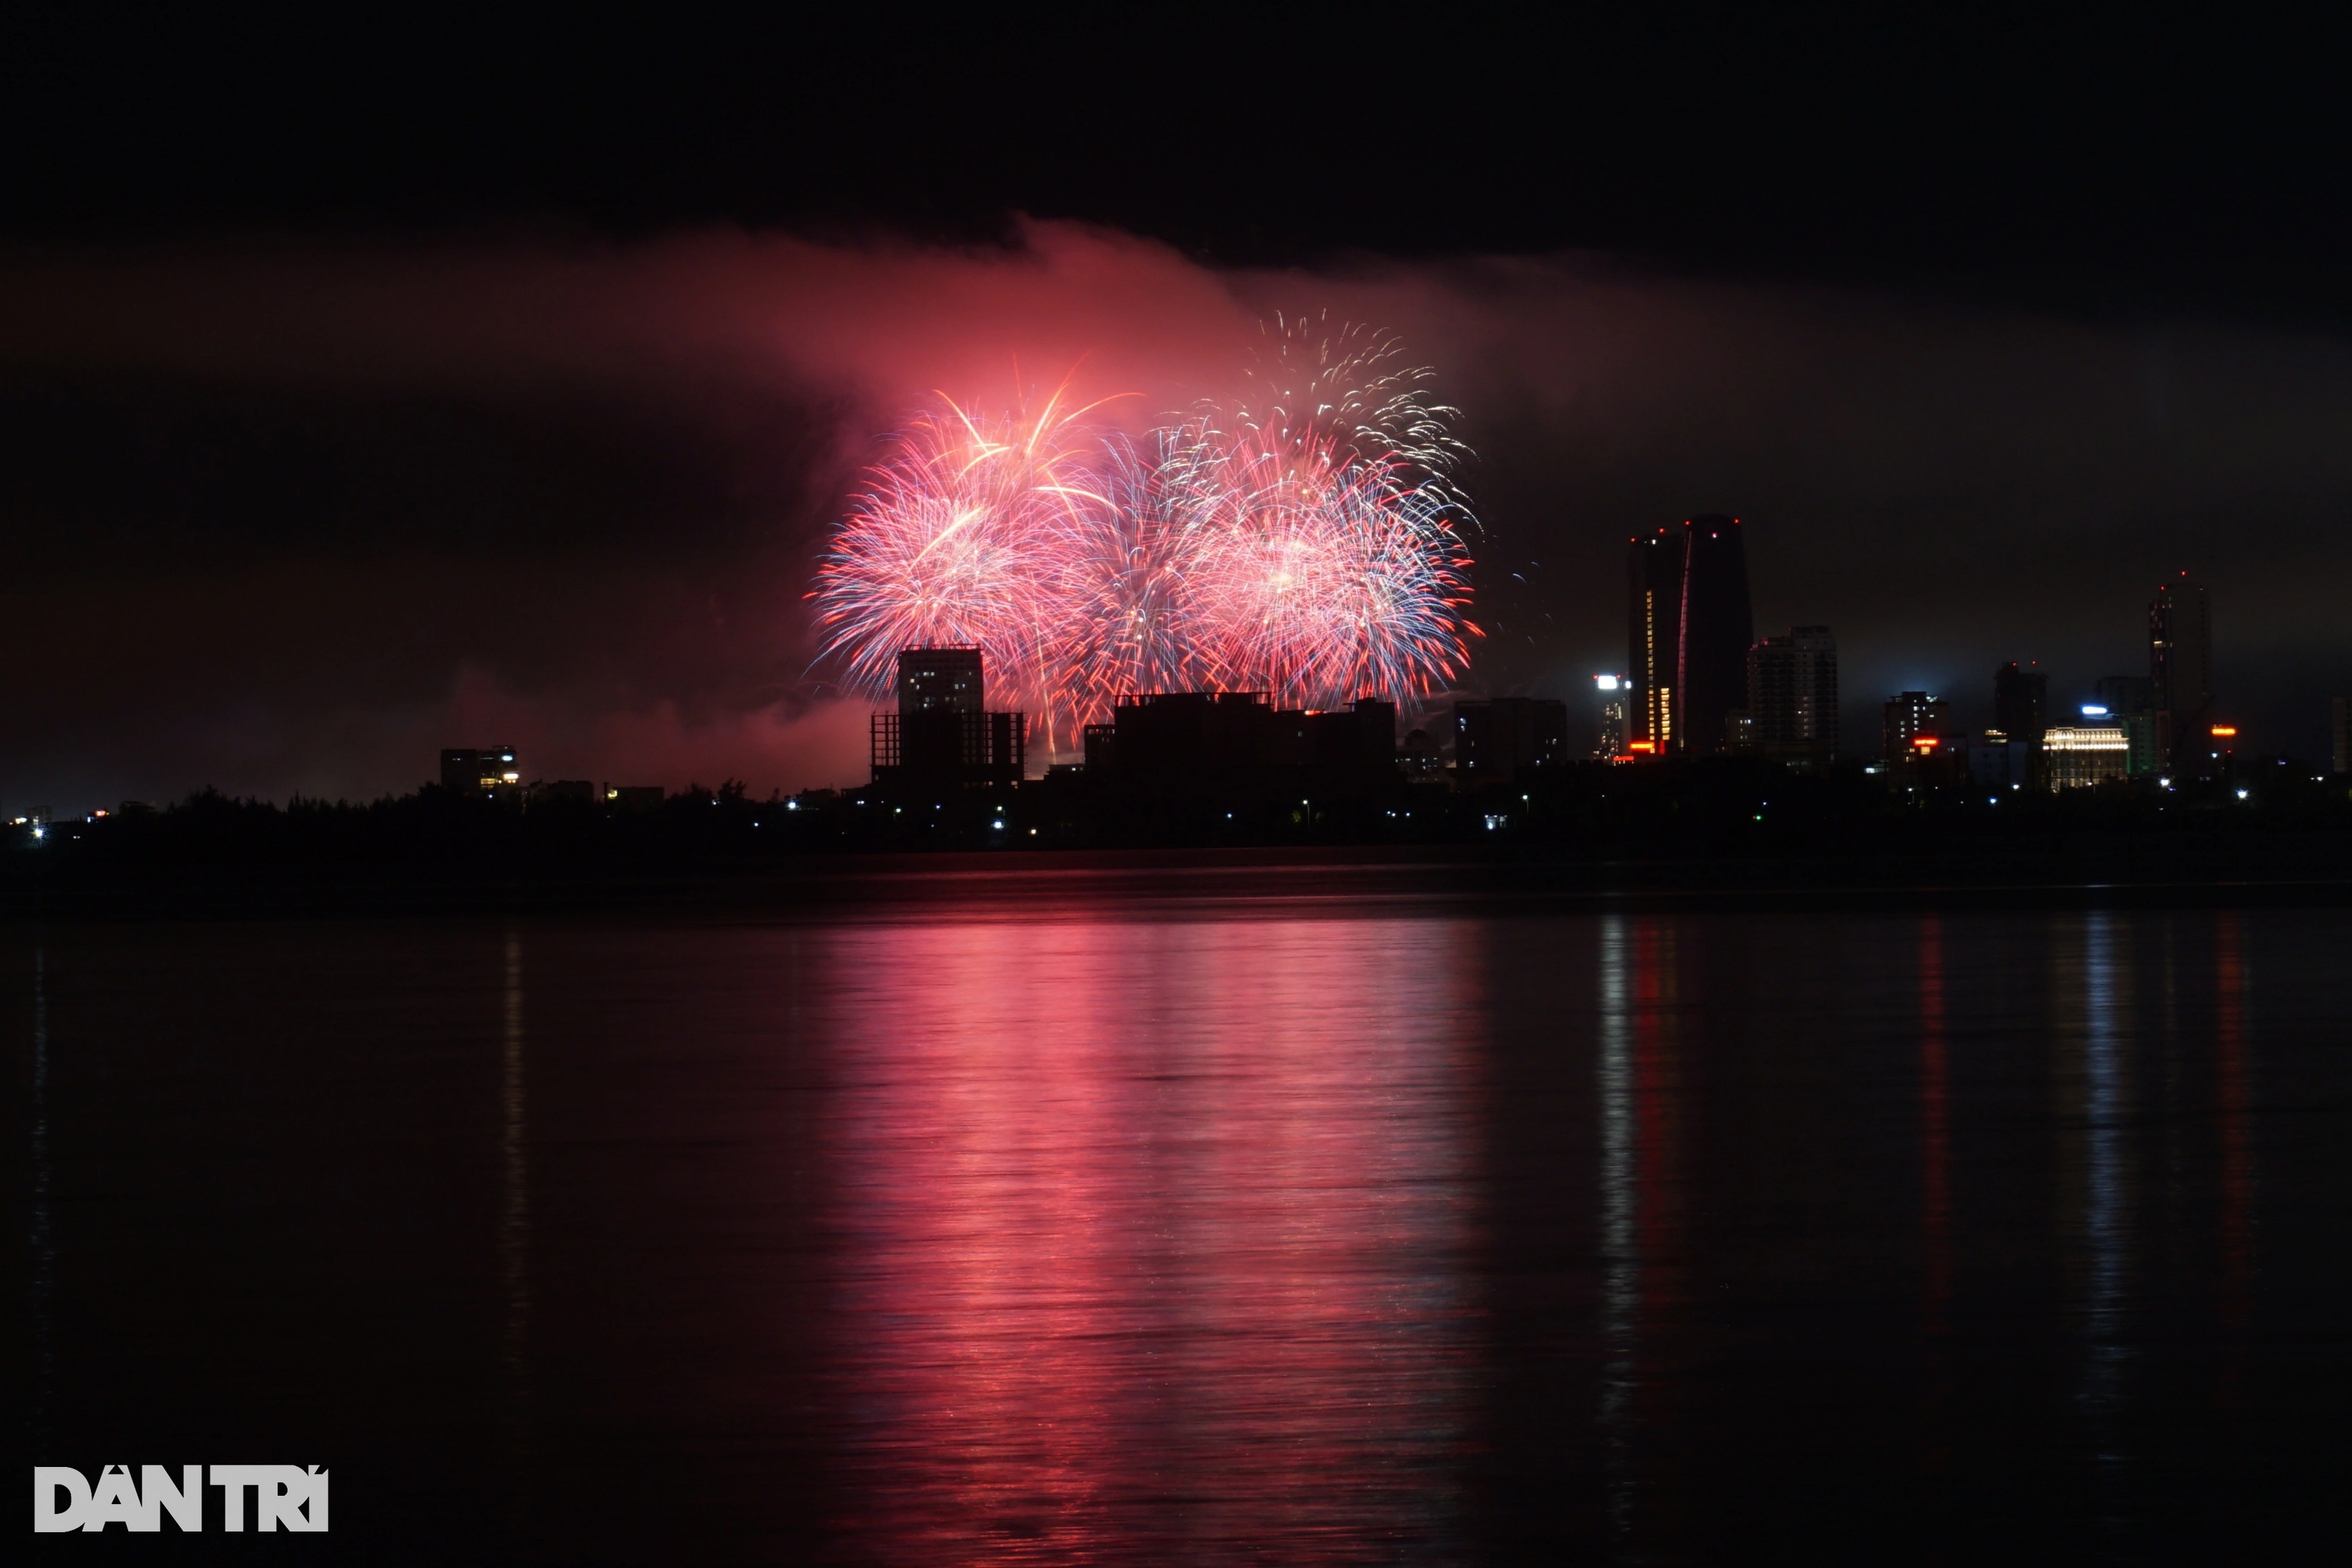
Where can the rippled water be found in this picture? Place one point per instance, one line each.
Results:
(1079, 1228)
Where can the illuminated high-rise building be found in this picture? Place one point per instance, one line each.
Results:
(1613, 691)
(1654, 639)
(2181, 668)
(1718, 628)
(1792, 696)
(1908, 718)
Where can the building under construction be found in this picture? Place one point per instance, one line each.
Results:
(943, 733)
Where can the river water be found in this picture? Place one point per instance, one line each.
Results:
(1244, 1227)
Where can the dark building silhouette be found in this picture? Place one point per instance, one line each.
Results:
(2130, 702)
(1423, 763)
(1910, 717)
(1509, 740)
(1999, 763)
(1653, 639)
(943, 734)
(2020, 703)
(1360, 739)
(1792, 696)
(1689, 629)
(2181, 669)
(1718, 630)
(2339, 733)
(1192, 737)
(1173, 741)
(480, 770)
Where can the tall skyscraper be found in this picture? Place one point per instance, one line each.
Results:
(2130, 701)
(1718, 628)
(1654, 639)
(1792, 696)
(2180, 667)
(2021, 703)
(1613, 690)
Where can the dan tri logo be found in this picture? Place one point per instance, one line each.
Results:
(285, 1496)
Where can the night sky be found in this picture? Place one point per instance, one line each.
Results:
(387, 383)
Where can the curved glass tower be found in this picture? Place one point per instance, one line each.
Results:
(1718, 630)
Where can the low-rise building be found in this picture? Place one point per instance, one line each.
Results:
(1908, 718)
(2078, 756)
(630, 798)
(480, 770)
(1509, 739)
(1997, 762)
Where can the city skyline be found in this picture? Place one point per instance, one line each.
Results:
(1774, 689)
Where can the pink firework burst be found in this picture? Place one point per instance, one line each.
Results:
(1308, 543)
(961, 536)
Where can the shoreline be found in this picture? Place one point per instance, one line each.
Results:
(1224, 882)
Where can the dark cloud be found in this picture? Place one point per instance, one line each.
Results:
(291, 517)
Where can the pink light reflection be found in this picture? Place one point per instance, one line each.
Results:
(1153, 1223)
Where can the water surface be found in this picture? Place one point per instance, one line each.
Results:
(1214, 1229)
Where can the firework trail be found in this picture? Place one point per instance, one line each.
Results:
(1307, 542)
(1352, 392)
(1133, 597)
(1340, 569)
